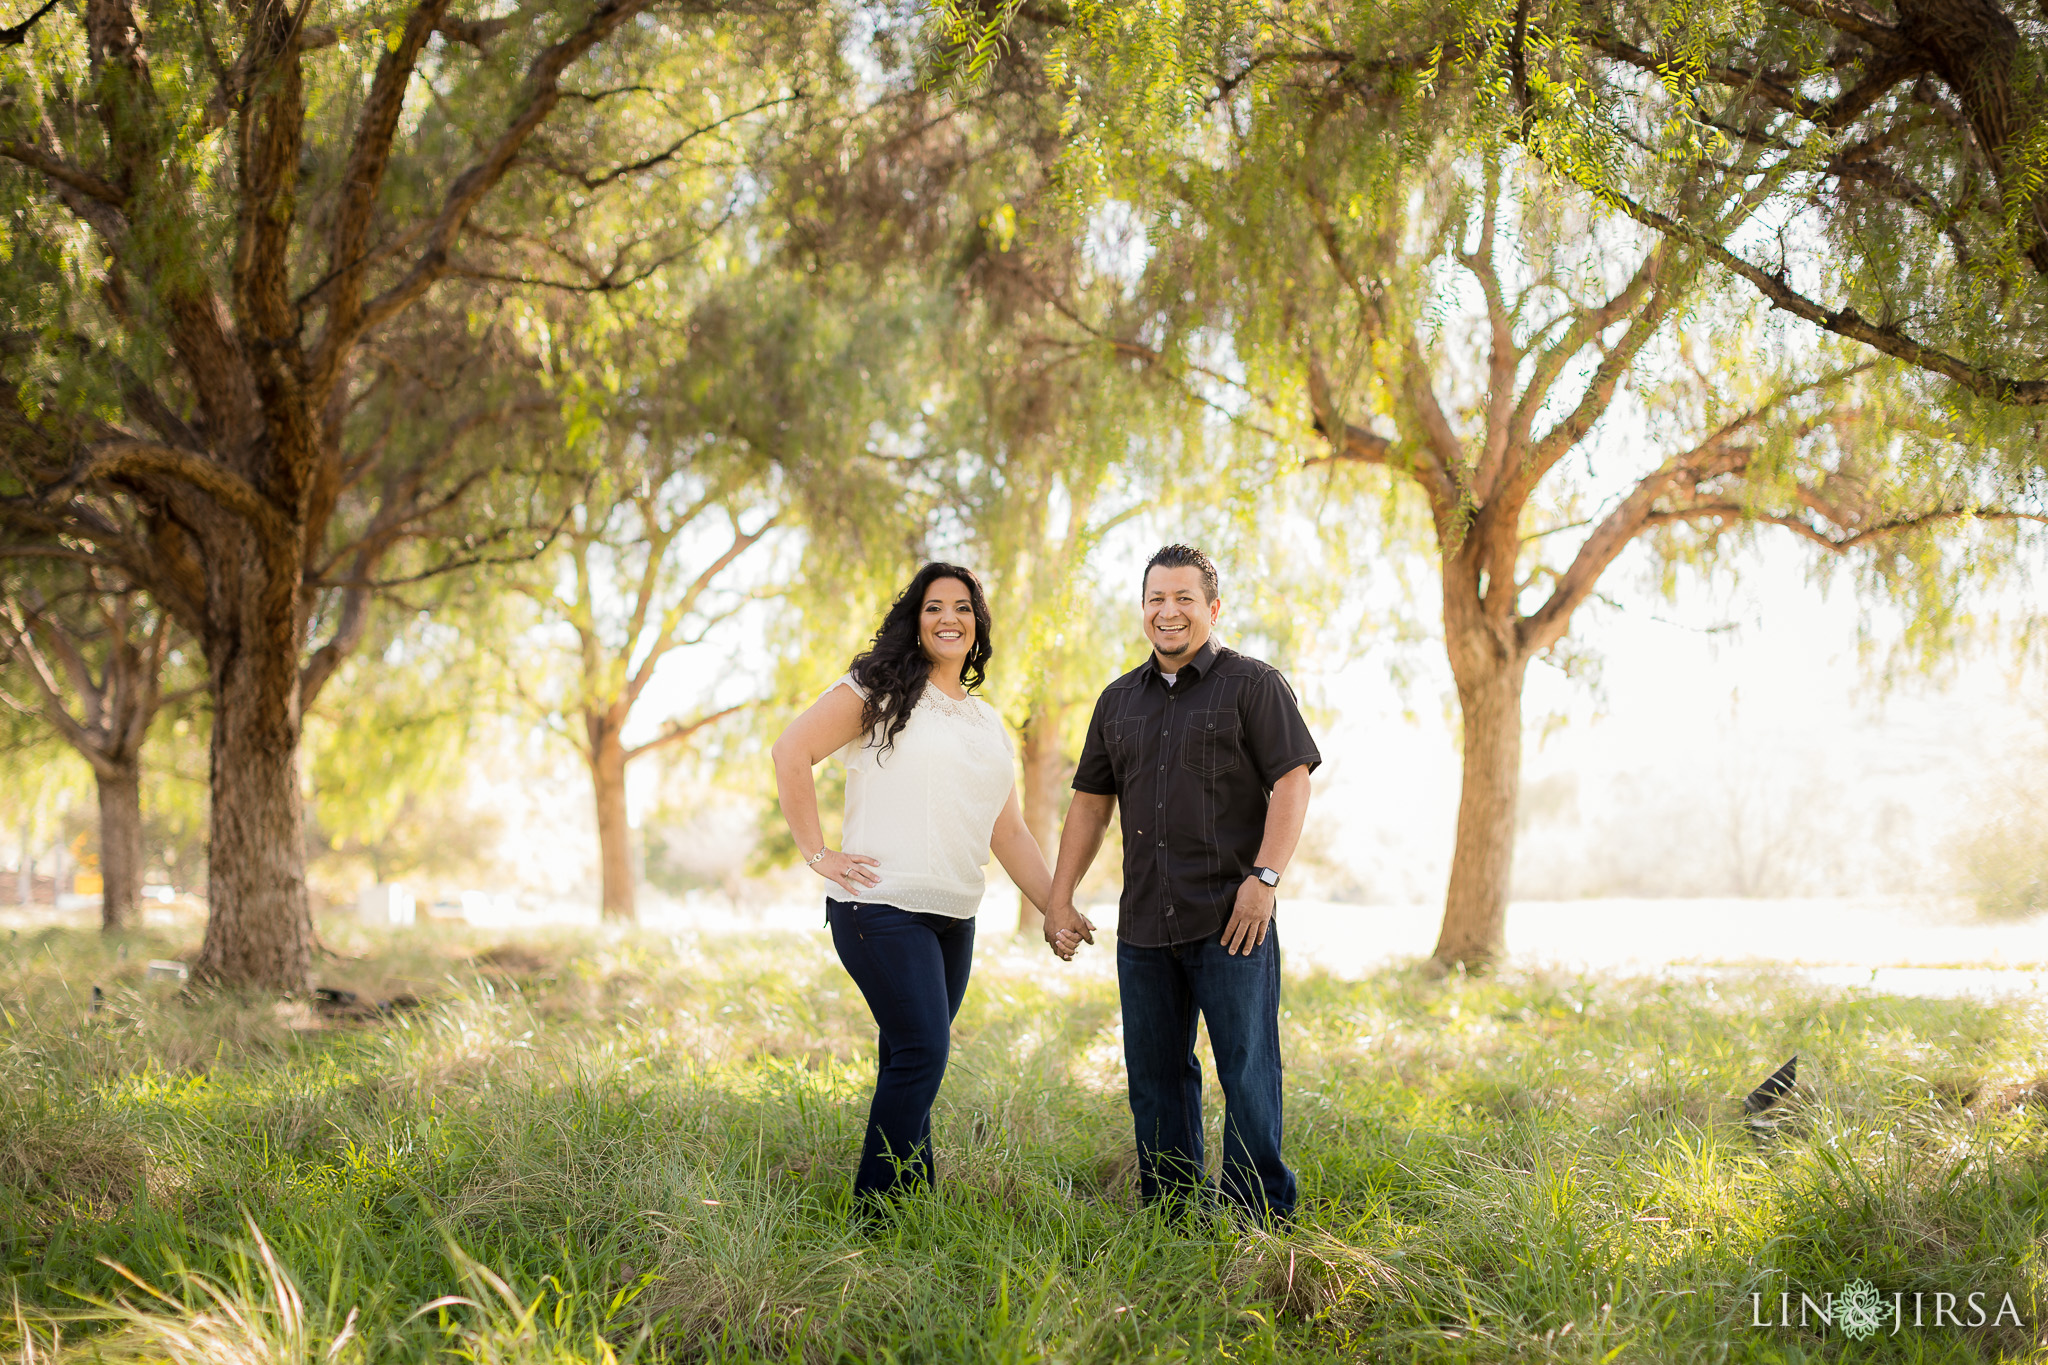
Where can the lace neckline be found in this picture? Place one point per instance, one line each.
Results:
(936, 698)
(963, 709)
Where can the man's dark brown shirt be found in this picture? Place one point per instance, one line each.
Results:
(1192, 767)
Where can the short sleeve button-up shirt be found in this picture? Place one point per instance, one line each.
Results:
(1192, 766)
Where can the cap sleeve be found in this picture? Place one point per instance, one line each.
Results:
(851, 751)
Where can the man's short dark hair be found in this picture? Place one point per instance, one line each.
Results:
(1182, 557)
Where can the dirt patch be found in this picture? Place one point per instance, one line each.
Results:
(2031, 1094)
(514, 959)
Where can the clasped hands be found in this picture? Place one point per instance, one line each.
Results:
(1066, 928)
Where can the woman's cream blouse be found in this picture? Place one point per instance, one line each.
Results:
(925, 809)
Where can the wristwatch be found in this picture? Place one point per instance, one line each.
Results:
(1267, 875)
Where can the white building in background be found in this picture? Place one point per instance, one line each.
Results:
(386, 904)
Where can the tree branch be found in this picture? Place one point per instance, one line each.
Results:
(1711, 459)
(543, 92)
(112, 459)
(14, 35)
(681, 731)
(63, 172)
(368, 158)
(1844, 322)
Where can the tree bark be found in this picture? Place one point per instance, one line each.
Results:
(1483, 640)
(614, 837)
(259, 924)
(1043, 768)
(1476, 904)
(120, 791)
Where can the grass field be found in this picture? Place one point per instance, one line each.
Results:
(608, 1146)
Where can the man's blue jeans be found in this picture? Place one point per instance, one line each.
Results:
(913, 969)
(1163, 990)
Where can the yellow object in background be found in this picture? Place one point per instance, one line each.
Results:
(88, 884)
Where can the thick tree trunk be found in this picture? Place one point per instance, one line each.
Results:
(614, 837)
(1043, 768)
(1476, 905)
(259, 924)
(120, 790)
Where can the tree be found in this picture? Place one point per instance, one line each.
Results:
(1360, 240)
(273, 231)
(1896, 148)
(93, 658)
(743, 438)
(632, 592)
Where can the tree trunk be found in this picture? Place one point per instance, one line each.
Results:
(1043, 768)
(259, 925)
(614, 837)
(120, 791)
(1476, 905)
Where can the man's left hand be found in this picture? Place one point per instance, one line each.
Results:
(1251, 918)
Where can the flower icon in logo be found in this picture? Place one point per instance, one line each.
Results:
(1859, 1308)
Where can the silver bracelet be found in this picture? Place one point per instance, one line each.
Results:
(816, 856)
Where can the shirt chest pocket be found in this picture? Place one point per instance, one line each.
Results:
(1125, 741)
(1211, 746)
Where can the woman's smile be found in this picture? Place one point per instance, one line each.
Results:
(946, 624)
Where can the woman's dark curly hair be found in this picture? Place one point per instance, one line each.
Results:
(894, 669)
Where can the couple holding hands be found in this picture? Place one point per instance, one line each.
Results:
(1206, 752)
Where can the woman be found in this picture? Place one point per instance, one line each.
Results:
(930, 792)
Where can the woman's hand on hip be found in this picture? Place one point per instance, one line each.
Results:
(853, 873)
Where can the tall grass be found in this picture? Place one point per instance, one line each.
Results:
(620, 1147)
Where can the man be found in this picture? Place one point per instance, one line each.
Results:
(1206, 753)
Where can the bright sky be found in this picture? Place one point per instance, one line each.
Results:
(1782, 715)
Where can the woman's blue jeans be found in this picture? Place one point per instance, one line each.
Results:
(913, 969)
(1163, 991)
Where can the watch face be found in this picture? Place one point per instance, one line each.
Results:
(1269, 876)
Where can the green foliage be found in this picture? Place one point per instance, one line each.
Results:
(1375, 188)
(387, 749)
(40, 777)
(1879, 202)
(607, 1146)
(174, 808)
